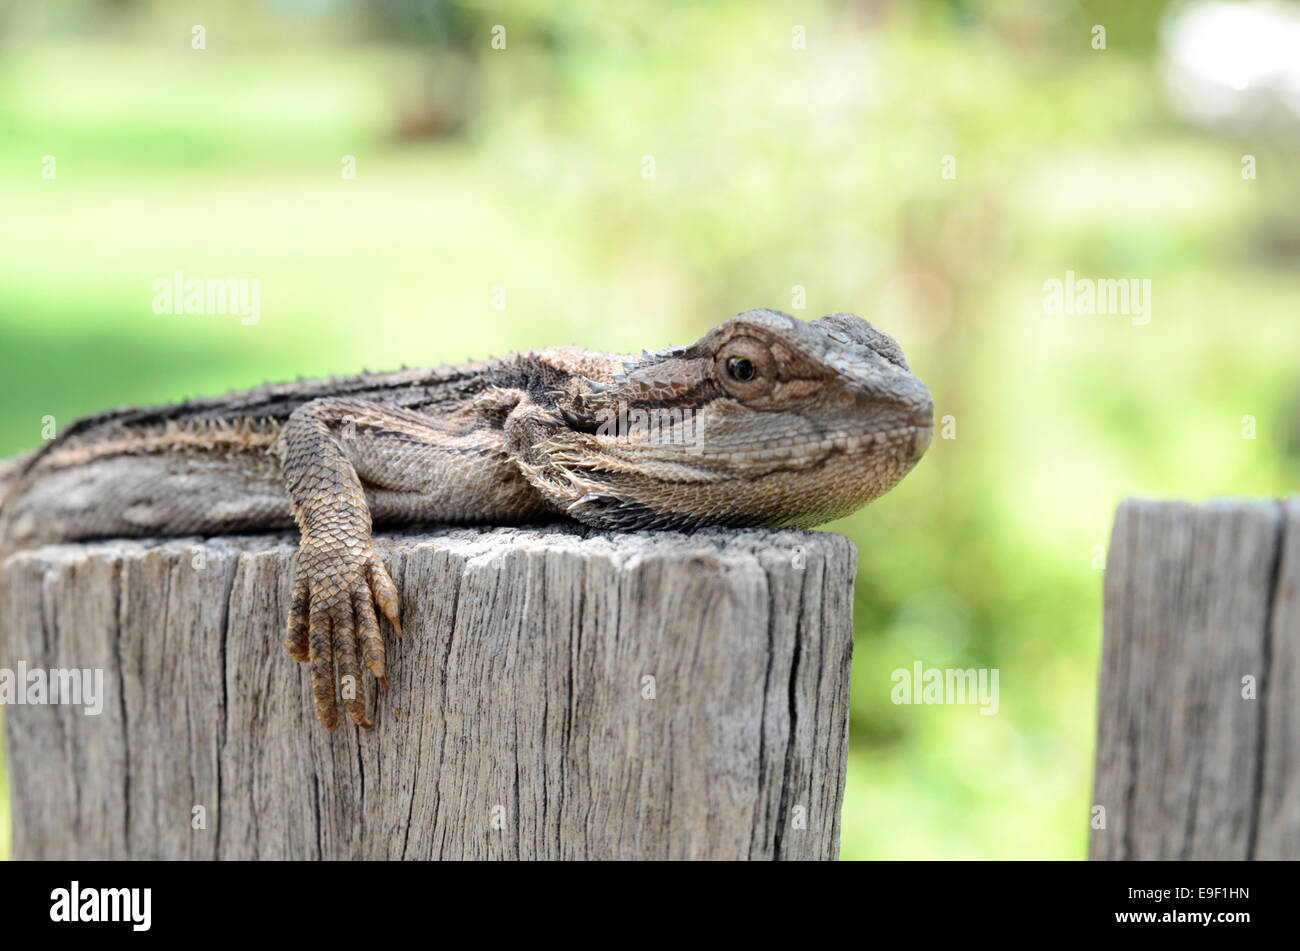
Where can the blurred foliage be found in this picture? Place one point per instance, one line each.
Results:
(775, 167)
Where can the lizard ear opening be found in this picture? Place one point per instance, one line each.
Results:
(745, 368)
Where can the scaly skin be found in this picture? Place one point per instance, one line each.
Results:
(766, 420)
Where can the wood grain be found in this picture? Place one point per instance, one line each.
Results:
(1198, 747)
(520, 722)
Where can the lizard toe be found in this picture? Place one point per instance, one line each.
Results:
(384, 591)
(372, 645)
(322, 667)
(351, 689)
(295, 637)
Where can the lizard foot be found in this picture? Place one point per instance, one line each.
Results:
(332, 622)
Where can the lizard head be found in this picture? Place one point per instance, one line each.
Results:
(766, 420)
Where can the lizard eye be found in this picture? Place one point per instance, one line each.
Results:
(740, 369)
(746, 368)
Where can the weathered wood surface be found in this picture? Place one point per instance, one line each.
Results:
(1198, 746)
(520, 722)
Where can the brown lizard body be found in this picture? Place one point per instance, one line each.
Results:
(766, 420)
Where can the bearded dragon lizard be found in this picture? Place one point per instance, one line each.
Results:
(765, 421)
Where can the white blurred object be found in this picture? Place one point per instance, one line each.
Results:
(1234, 66)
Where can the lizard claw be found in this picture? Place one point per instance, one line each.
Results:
(332, 624)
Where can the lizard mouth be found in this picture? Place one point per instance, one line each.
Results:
(922, 436)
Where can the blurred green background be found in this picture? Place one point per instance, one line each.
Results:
(775, 168)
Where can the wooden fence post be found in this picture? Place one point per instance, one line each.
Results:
(558, 694)
(1198, 743)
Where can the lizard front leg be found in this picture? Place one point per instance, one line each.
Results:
(340, 578)
(344, 460)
